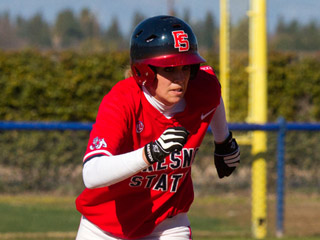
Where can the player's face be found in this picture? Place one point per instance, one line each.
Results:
(171, 84)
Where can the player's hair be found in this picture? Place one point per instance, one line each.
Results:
(128, 73)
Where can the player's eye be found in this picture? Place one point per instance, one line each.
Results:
(186, 67)
(168, 69)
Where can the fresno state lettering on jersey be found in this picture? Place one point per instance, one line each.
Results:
(163, 182)
(158, 182)
(182, 159)
(181, 40)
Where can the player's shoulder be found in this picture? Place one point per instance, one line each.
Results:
(206, 78)
(204, 88)
(206, 72)
(208, 69)
(125, 93)
(125, 89)
(124, 85)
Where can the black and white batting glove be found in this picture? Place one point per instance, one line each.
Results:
(226, 156)
(171, 140)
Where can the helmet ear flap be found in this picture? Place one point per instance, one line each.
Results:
(143, 73)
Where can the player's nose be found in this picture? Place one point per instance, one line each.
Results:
(179, 76)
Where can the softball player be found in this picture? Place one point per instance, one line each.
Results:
(149, 127)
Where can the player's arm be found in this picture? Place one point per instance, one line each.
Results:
(218, 124)
(227, 151)
(101, 171)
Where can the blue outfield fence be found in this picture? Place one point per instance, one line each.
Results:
(11, 125)
(281, 127)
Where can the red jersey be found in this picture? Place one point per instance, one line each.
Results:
(126, 121)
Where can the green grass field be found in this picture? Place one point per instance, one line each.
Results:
(212, 217)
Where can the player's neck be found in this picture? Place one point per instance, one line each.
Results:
(167, 111)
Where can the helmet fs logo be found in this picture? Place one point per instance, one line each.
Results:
(181, 40)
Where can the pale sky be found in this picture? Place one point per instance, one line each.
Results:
(302, 10)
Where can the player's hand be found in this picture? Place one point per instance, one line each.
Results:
(226, 156)
(171, 140)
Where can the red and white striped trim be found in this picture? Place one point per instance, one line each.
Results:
(104, 152)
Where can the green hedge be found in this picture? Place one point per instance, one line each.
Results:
(65, 86)
(69, 86)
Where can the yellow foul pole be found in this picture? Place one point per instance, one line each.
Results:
(258, 114)
(224, 53)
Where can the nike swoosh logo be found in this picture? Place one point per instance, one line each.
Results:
(203, 116)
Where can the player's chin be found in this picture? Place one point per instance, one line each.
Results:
(175, 99)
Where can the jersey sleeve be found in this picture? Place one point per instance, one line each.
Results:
(204, 91)
(111, 127)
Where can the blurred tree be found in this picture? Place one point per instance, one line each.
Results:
(8, 35)
(137, 18)
(205, 32)
(113, 36)
(310, 36)
(239, 36)
(293, 27)
(294, 36)
(186, 15)
(282, 39)
(90, 28)
(89, 25)
(21, 26)
(170, 8)
(36, 31)
(83, 32)
(67, 30)
(281, 25)
(209, 31)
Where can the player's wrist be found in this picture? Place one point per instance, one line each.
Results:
(144, 156)
(153, 153)
(149, 153)
(226, 156)
(222, 147)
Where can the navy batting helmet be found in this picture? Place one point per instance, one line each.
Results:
(162, 41)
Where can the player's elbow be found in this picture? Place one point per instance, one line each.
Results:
(90, 176)
(87, 179)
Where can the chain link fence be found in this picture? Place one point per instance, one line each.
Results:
(51, 162)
